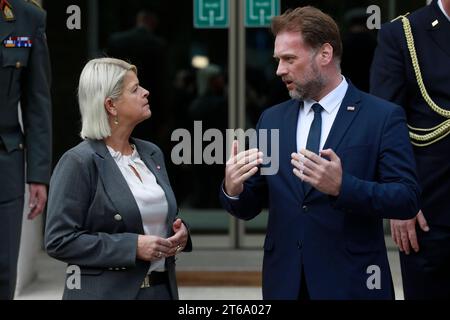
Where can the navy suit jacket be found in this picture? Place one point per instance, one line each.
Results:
(336, 240)
(393, 79)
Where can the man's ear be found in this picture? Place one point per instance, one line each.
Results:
(109, 106)
(325, 54)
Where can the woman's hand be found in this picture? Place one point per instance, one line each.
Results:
(179, 239)
(151, 248)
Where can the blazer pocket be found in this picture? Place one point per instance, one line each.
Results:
(12, 141)
(15, 57)
(88, 271)
(268, 244)
(362, 234)
(13, 61)
(360, 248)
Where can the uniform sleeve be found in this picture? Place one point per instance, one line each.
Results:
(36, 108)
(388, 72)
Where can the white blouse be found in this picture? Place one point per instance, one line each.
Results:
(149, 196)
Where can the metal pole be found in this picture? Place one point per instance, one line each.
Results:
(392, 9)
(236, 104)
(241, 103)
(92, 32)
(232, 98)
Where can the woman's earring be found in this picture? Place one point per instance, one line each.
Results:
(116, 120)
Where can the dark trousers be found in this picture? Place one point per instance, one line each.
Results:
(303, 292)
(426, 274)
(10, 230)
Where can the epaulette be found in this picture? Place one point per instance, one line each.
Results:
(400, 17)
(35, 3)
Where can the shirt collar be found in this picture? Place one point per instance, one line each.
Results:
(332, 100)
(442, 9)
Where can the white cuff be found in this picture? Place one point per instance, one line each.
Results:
(230, 197)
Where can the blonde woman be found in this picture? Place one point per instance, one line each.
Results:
(111, 209)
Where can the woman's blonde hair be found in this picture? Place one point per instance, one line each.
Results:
(100, 79)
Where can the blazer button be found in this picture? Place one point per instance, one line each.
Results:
(305, 208)
(20, 146)
(118, 217)
(18, 65)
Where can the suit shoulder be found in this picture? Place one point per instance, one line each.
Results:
(31, 12)
(34, 8)
(81, 152)
(279, 108)
(414, 17)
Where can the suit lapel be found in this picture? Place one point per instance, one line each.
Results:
(440, 32)
(147, 155)
(116, 187)
(290, 136)
(348, 110)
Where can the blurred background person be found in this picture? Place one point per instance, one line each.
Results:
(359, 45)
(24, 78)
(211, 108)
(111, 208)
(149, 53)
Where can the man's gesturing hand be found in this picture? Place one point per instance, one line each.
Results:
(239, 168)
(324, 175)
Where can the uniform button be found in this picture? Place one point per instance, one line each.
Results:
(123, 268)
(117, 269)
(305, 208)
(118, 217)
(21, 146)
(18, 64)
(110, 268)
(299, 244)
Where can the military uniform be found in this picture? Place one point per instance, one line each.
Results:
(426, 100)
(24, 78)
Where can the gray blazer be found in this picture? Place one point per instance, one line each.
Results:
(94, 222)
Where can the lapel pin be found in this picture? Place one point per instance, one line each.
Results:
(435, 23)
(350, 108)
(158, 167)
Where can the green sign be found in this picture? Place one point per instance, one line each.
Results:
(211, 13)
(259, 13)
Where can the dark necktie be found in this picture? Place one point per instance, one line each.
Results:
(313, 142)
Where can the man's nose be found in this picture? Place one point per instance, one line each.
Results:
(281, 70)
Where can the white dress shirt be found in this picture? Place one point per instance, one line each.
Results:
(150, 197)
(330, 104)
(442, 9)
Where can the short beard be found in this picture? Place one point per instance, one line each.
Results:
(311, 88)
